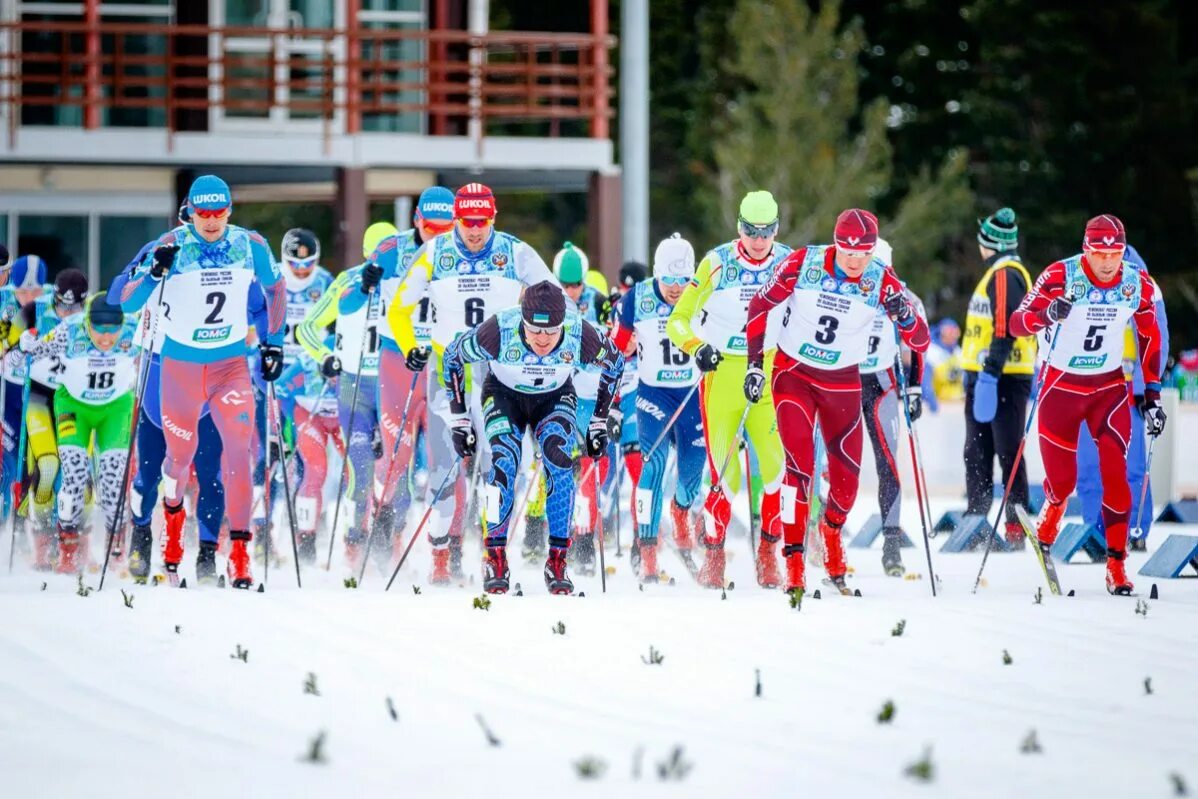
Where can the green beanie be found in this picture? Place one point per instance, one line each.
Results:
(759, 208)
(570, 264)
(999, 231)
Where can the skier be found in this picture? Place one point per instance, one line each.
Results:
(879, 405)
(726, 280)
(40, 317)
(832, 294)
(98, 359)
(1091, 297)
(353, 359)
(998, 372)
(631, 273)
(467, 274)
(203, 353)
(400, 372)
(533, 350)
(666, 378)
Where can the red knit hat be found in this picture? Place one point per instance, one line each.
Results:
(856, 231)
(1104, 233)
(474, 199)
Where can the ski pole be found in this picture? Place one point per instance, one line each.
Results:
(599, 524)
(349, 433)
(272, 407)
(143, 378)
(268, 483)
(378, 505)
(673, 418)
(732, 448)
(1027, 428)
(1144, 488)
(453, 469)
(901, 374)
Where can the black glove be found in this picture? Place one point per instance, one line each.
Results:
(164, 259)
(615, 424)
(417, 359)
(914, 398)
(597, 438)
(754, 384)
(1154, 414)
(707, 358)
(372, 275)
(899, 309)
(464, 440)
(330, 366)
(273, 451)
(1058, 309)
(272, 361)
(376, 443)
(5, 329)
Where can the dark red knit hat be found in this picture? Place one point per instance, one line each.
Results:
(856, 230)
(1104, 233)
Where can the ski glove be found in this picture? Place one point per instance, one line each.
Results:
(372, 275)
(1154, 414)
(615, 424)
(899, 309)
(272, 361)
(464, 440)
(914, 399)
(164, 259)
(376, 443)
(331, 366)
(5, 329)
(754, 384)
(597, 438)
(417, 359)
(985, 398)
(28, 341)
(1058, 309)
(707, 358)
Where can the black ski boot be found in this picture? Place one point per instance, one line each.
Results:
(496, 574)
(556, 579)
(892, 553)
(139, 553)
(584, 553)
(455, 557)
(533, 547)
(206, 563)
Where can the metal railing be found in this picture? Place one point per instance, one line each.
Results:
(177, 76)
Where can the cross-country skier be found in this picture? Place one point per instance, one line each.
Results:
(726, 280)
(402, 383)
(98, 357)
(533, 351)
(1090, 298)
(666, 377)
(209, 268)
(467, 274)
(831, 295)
(880, 408)
(631, 273)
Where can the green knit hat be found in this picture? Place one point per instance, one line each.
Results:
(570, 264)
(759, 208)
(999, 231)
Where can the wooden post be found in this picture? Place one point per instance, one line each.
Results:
(599, 103)
(92, 71)
(353, 49)
(351, 207)
(604, 239)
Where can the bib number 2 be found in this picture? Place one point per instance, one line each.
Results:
(215, 299)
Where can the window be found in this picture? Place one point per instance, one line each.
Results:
(60, 241)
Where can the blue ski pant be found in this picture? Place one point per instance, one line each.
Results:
(655, 406)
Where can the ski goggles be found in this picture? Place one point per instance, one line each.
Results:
(476, 221)
(757, 231)
(674, 280)
(302, 263)
(210, 213)
(532, 329)
(105, 330)
(435, 227)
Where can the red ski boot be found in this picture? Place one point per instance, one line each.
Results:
(496, 574)
(239, 559)
(648, 552)
(833, 550)
(1048, 523)
(440, 572)
(556, 579)
(1116, 575)
(767, 563)
(796, 578)
(712, 573)
(172, 539)
(1013, 532)
(684, 537)
(43, 551)
(68, 551)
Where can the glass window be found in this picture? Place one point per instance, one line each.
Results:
(311, 14)
(4, 233)
(60, 241)
(393, 5)
(247, 12)
(120, 239)
(386, 90)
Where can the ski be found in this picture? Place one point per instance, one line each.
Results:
(840, 585)
(1043, 555)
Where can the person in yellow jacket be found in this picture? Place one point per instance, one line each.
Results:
(708, 324)
(998, 372)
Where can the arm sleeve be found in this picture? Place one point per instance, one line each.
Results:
(140, 283)
(530, 267)
(915, 335)
(1006, 291)
(772, 294)
(311, 333)
(407, 297)
(273, 288)
(680, 328)
(1032, 314)
(480, 344)
(625, 322)
(1148, 335)
(256, 308)
(51, 344)
(598, 350)
(118, 282)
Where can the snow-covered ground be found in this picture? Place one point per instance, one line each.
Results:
(98, 699)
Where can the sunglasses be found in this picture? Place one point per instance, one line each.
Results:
(674, 281)
(475, 221)
(758, 231)
(210, 213)
(542, 331)
(847, 253)
(302, 263)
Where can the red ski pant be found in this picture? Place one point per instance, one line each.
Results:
(315, 433)
(399, 388)
(1106, 410)
(803, 398)
(225, 387)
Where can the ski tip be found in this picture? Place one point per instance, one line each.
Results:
(1154, 594)
(261, 588)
